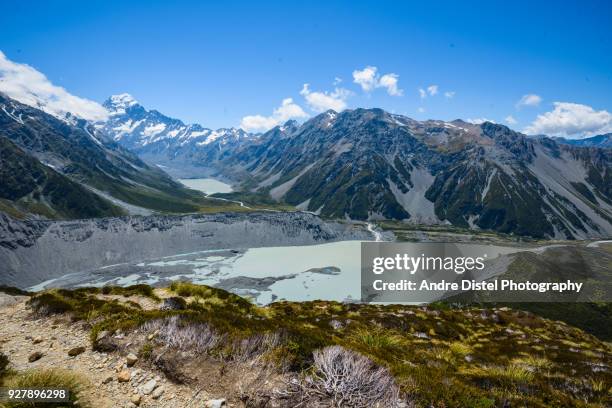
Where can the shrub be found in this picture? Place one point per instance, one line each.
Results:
(139, 289)
(49, 303)
(174, 303)
(177, 333)
(187, 289)
(343, 378)
(4, 363)
(253, 347)
(13, 291)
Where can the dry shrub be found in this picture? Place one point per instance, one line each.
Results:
(343, 378)
(182, 335)
(252, 348)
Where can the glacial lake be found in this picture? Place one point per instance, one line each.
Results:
(207, 185)
(328, 271)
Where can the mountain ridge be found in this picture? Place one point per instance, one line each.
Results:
(71, 151)
(370, 164)
(161, 139)
(593, 141)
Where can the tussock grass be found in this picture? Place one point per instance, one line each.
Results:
(512, 374)
(460, 348)
(50, 378)
(377, 339)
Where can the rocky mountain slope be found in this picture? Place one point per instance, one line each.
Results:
(50, 157)
(593, 141)
(35, 251)
(28, 186)
(370, 164)
(180, 149)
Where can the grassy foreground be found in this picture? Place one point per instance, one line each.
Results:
(435, 356)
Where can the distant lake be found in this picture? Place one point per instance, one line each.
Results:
(207, 185)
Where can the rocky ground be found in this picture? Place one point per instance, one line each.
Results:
(190, 345)
(114, 380)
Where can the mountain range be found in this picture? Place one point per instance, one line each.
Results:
(360, 164)
(369, 164)
(61, 167)
(172, 145)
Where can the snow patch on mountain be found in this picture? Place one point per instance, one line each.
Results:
(153, 130)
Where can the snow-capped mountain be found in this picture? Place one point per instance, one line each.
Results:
(55, 168)
(162, 140)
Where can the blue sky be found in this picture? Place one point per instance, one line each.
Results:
(216, 63)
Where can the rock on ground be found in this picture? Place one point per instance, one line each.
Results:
(98, 369)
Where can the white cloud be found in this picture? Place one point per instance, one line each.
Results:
(479, 121)
(287, 110)
(337, 80)
(431, 90)
(529, 100)
(510, 120)
(571, 120)
(254, 123)
(449, 94)
(29, 86)
(322, 101)
(366, 78)
(421, 110)
(369, 80)
(389, 82)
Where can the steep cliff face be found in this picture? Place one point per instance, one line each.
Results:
(34, 251)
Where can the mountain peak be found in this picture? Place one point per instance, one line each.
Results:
(290, 125)
(120, 102)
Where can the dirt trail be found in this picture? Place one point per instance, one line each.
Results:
(21, 334)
